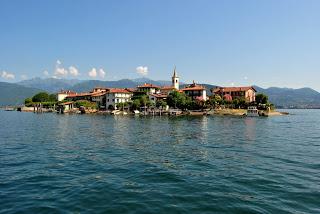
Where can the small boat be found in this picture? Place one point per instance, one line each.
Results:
(136, 112)
(252, 111)
(9, 109)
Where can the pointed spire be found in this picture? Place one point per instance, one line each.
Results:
(174, 72)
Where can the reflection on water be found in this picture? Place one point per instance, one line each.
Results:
(121, 164)
(250, 129)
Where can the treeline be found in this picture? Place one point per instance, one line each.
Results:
(47, 100)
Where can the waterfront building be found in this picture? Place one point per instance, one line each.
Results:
(148, 88)
(195, 91)
(79, 96)
(248, 93)
(63, 94)
(156, 97)
(116, 96)
(99, 97)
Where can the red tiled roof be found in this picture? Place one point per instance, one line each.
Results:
(233, 89)
(148, 85)
(79, 95)
(97, 94)
(119, 90)
(167, 87)
(131, 89)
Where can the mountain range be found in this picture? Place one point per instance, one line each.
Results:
(15, 93)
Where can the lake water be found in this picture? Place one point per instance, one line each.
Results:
(52, 163)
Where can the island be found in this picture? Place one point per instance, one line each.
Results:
(150, 99)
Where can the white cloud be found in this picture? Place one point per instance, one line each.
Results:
(73, 71)
(46, 73)
(61, 72)
(142, 70)
(93, 73)
(102, 73)
(7, 75)
(245, 78)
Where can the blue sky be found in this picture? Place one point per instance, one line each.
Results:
(268, 43)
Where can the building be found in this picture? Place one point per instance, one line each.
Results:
(116, 96)
(248, 93)
(79, 96)
(99, 98)
(148, 88)
(196, 92)
(156, 97)
(63, 94)
(65, 107)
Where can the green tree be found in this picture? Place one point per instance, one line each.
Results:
(144, 100)
(28, 101)
(161, 103)
(262, 99)
(53, 98)
(41, 97)
(177, 100)
(136, 104)
(86, 104)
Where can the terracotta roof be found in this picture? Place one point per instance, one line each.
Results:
(233, 89)
(79, 95)
(148, 85)
(167, 87)
(131, 89)
(97, 94)
(119, 90)
(194, 88)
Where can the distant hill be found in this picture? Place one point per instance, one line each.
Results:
(51, 85)
(124, 83)
(90, 84)
(292, 98)
(14, 94)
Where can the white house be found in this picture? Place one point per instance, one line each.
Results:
(115, 96)
(63, 94)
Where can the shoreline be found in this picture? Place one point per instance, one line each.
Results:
(212, 112)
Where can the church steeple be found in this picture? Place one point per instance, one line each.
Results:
(175, 79)
(174, 72)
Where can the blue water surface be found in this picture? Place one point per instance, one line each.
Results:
(51, 163)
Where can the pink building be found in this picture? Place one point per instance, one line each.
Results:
(248, 93)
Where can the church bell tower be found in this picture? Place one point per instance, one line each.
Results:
(175, 79)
